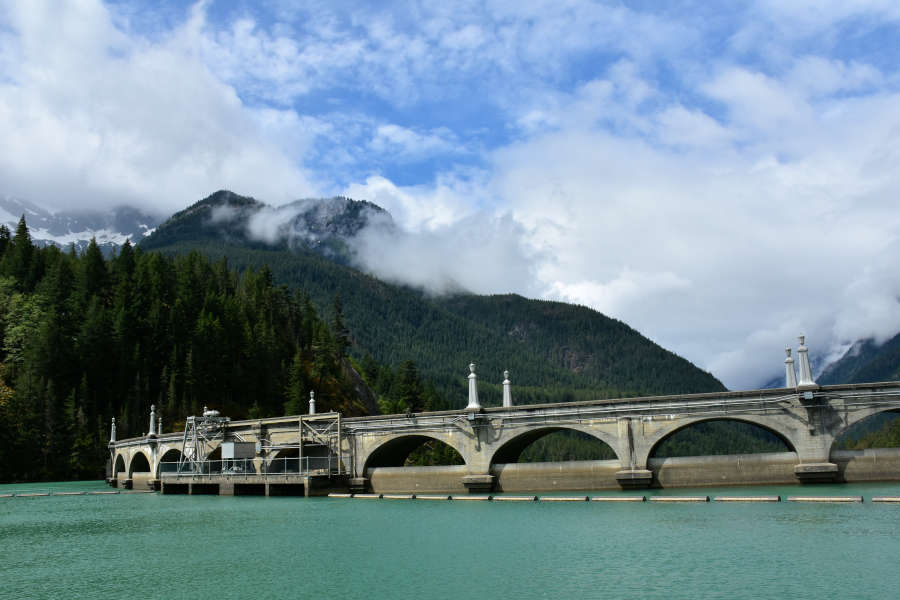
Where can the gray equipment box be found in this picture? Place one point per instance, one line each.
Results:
(235, 450)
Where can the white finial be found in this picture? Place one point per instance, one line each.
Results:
(312, 402)
(806, 379)
(159, 425)
(507, 393)
(112, 431)
(790, 375)
(473, 389)
(152, 420)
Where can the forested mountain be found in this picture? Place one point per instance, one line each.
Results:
(109, 229)
(207, 311)
(85, 339)
(865, 361)
(554, 351)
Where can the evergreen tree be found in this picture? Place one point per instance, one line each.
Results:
(411, 391)
(17, 260)
(94, 275)
(4, 240)
(339, 329)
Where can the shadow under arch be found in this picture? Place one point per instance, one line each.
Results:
(213, 461)
(395, 452)
(878, 430)
(514, 450)
(286, 460)
(719, 436)
(119, 466)
(168, 462)
(139, 464)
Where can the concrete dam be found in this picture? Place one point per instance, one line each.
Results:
(315, 454)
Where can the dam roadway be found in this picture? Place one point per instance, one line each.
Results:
(317, 453)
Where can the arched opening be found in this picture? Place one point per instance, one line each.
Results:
(139, 464)
(169, 462)
(414, 450)
(553, 444)
(213, 463)
(881, 430)
(286, 460)
(119, 466)
(716, 437)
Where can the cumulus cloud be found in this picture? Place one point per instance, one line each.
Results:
(127, 120)
(404, 144)
(720, 179)
(482, 254)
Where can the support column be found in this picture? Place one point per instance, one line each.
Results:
(790, 375)
(633, 475)
(806, 380)
(814, 447)
(473, 389)
(507, 392)
(480, 479)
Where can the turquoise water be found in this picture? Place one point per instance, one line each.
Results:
(152, 546)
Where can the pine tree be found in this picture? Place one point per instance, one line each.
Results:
(297, 389)
(4, 240)
(17, 261)
(339, 329)
(93, 272)
(411, 391)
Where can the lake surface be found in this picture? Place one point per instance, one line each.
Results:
(152, 546)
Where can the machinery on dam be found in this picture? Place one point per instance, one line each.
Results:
(314, 453)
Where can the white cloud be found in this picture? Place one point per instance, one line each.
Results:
(405, 144)
(127, 120)
(425, 207)
(721, 181)
(479, 253)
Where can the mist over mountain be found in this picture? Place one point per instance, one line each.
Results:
(865, 361)
(555, 351)
(110, 228)
(326, 226)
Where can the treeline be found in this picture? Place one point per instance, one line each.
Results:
(884, 432)
(85, 339)
(555, 352)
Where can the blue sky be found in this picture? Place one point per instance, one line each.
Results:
(721, 176)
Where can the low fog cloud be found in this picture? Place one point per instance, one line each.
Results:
(480, 254)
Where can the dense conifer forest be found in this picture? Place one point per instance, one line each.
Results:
(85, 339)
(250, 330)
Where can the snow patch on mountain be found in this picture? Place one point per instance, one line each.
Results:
(65, 228)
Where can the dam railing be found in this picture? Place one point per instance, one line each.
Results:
(307, 465)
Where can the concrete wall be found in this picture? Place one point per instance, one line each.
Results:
(571, 475)
(775, 468)
(418, 480)
(734, 469)
(877, 464)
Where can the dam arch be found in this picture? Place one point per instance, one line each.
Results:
(165, 463)
(750, 427)
(512, 449)
(139, 464)
(395, 452)
(119, 466)
(861, 418)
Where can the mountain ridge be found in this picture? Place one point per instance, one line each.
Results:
(573, 352)
(77, 227)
